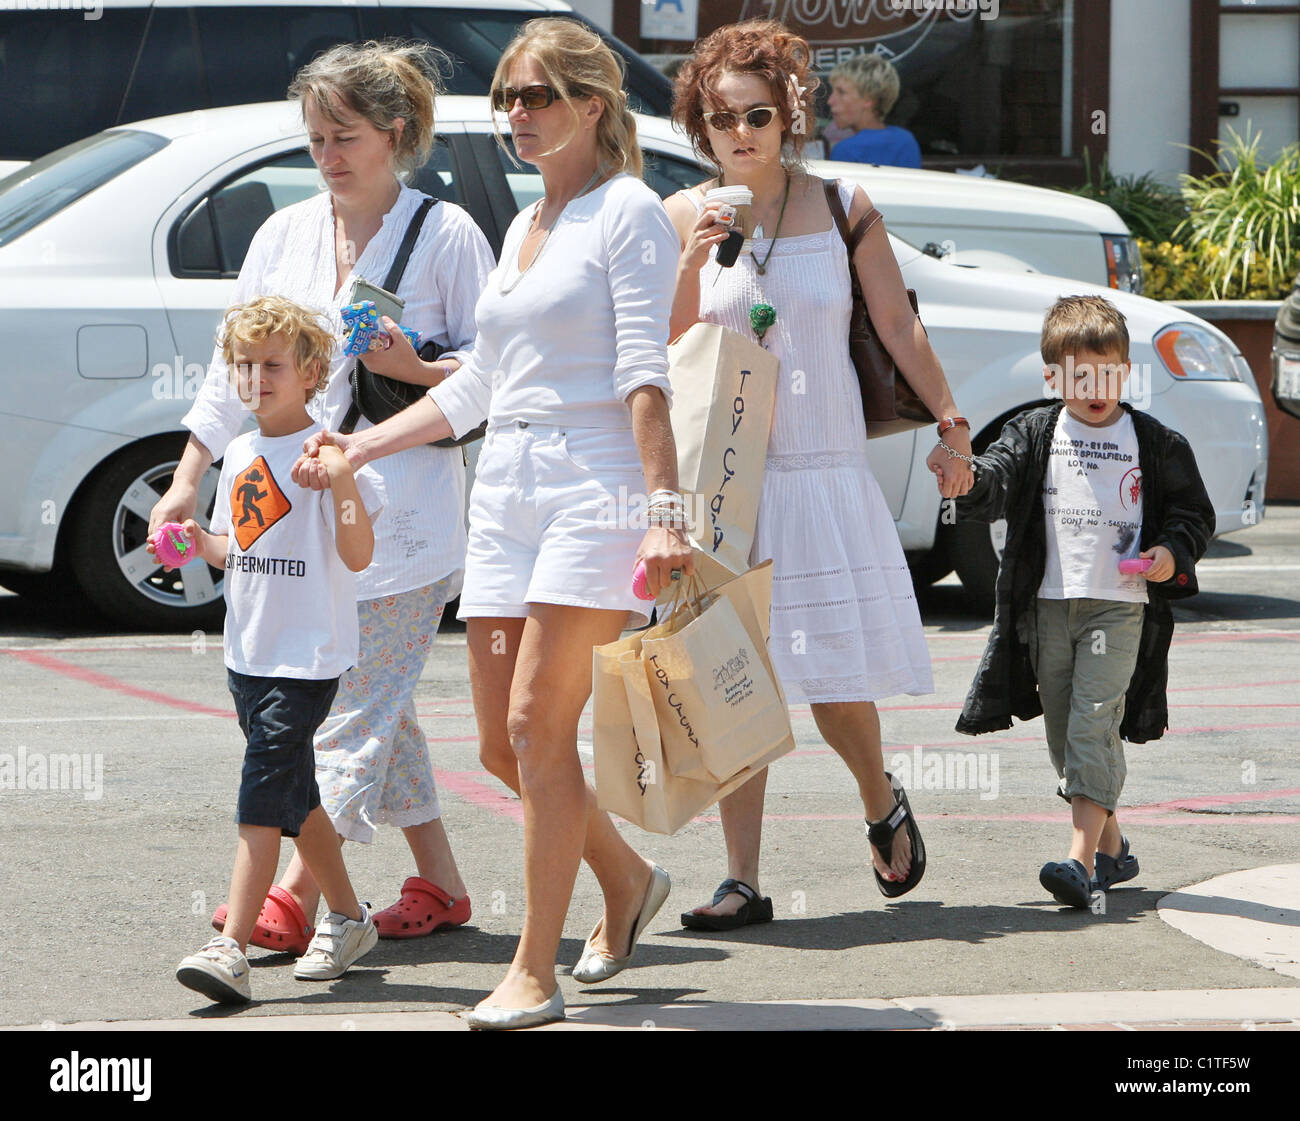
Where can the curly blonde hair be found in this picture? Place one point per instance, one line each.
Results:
(257, 320)
(578, 64)
(380, 82)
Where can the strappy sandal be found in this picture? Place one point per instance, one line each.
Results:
(423, 908)
(881, 836)
(1113, 870)
(753, 910)
(1068, 882)
(281, 924)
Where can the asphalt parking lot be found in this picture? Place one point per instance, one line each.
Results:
(107, 882)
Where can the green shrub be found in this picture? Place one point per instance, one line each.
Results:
(1149, 208)
(1243, 220)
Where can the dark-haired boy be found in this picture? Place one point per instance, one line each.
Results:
(1085, 484)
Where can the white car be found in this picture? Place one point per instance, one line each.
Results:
(118, 253)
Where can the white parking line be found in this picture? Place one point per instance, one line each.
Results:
(1236, 568)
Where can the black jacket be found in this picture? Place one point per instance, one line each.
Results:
(1176, 513)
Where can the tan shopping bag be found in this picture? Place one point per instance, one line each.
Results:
(633, 778)
(724, 391)
(719, 706)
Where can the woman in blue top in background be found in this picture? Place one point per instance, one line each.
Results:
(863, 92)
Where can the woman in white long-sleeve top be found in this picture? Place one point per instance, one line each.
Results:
(369, 115)
(570, 368)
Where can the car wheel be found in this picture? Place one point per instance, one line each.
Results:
(108, 526)
(932, 566)
(977, 552)
(34, 585)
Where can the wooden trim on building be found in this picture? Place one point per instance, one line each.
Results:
(1091, 84)
(1203, 125)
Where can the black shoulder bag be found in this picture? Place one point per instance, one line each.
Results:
(376, 397)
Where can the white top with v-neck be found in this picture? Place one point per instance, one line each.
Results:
(568, 339)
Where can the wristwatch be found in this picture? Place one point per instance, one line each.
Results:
(953, 422)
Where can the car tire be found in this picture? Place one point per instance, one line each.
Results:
(36, 586)
(105, 536)
(932, 566)
(977, 551)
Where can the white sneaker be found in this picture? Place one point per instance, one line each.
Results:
(338, 942)
(218, 971)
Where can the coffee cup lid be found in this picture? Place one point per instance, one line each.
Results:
(733, 196)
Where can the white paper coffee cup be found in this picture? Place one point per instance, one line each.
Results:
(734, 203)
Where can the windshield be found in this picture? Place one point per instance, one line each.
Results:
(40, 190)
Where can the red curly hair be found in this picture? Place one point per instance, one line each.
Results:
(760, 46)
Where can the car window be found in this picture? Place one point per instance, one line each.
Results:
(475, 40)
(61, 76)
(212, 238)
(40, 190)
(168, 78)
(664, 174)
(251, 54)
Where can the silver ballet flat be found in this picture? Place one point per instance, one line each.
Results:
(489, 1017)
(594, 966)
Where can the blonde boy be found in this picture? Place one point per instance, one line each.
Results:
(290, 556)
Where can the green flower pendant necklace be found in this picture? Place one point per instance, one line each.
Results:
(763, 315)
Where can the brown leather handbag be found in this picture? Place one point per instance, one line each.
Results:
(889, 404)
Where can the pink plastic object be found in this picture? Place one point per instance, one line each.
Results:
(171, 546)
(1136, 564)
(639, 588)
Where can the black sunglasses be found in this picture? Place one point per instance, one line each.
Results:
(533, 97)
(725, 121)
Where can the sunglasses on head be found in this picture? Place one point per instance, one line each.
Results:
(725, 121)
(532, 97)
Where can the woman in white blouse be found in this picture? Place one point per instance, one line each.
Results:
(369, 116)
(570, 367)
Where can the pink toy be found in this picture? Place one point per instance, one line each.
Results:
(1136, 564)
(639, 588)
(171, 546)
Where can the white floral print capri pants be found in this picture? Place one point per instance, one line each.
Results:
(372, 761)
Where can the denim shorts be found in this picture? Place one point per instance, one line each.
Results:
(279, 716)
(548, 521)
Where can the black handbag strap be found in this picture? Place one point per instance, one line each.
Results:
(391, 281)
(394, 277)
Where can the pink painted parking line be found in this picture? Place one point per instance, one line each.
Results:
(465, 785)
(113, 684)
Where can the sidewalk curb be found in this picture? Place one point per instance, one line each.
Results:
(1218, 1008)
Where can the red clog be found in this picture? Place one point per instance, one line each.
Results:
(281, 924)
(422, 909)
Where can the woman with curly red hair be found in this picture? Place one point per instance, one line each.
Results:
(846, 630)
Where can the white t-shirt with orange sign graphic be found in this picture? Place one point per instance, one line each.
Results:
(291, 604)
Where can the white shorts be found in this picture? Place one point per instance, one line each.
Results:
(548, 521)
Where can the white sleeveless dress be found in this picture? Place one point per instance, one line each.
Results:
(845, 623)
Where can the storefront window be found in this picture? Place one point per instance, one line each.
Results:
(988, 82)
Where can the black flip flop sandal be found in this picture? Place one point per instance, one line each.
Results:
(753, 910)
(1068, 882)
(881, 836)
(1113, 870)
